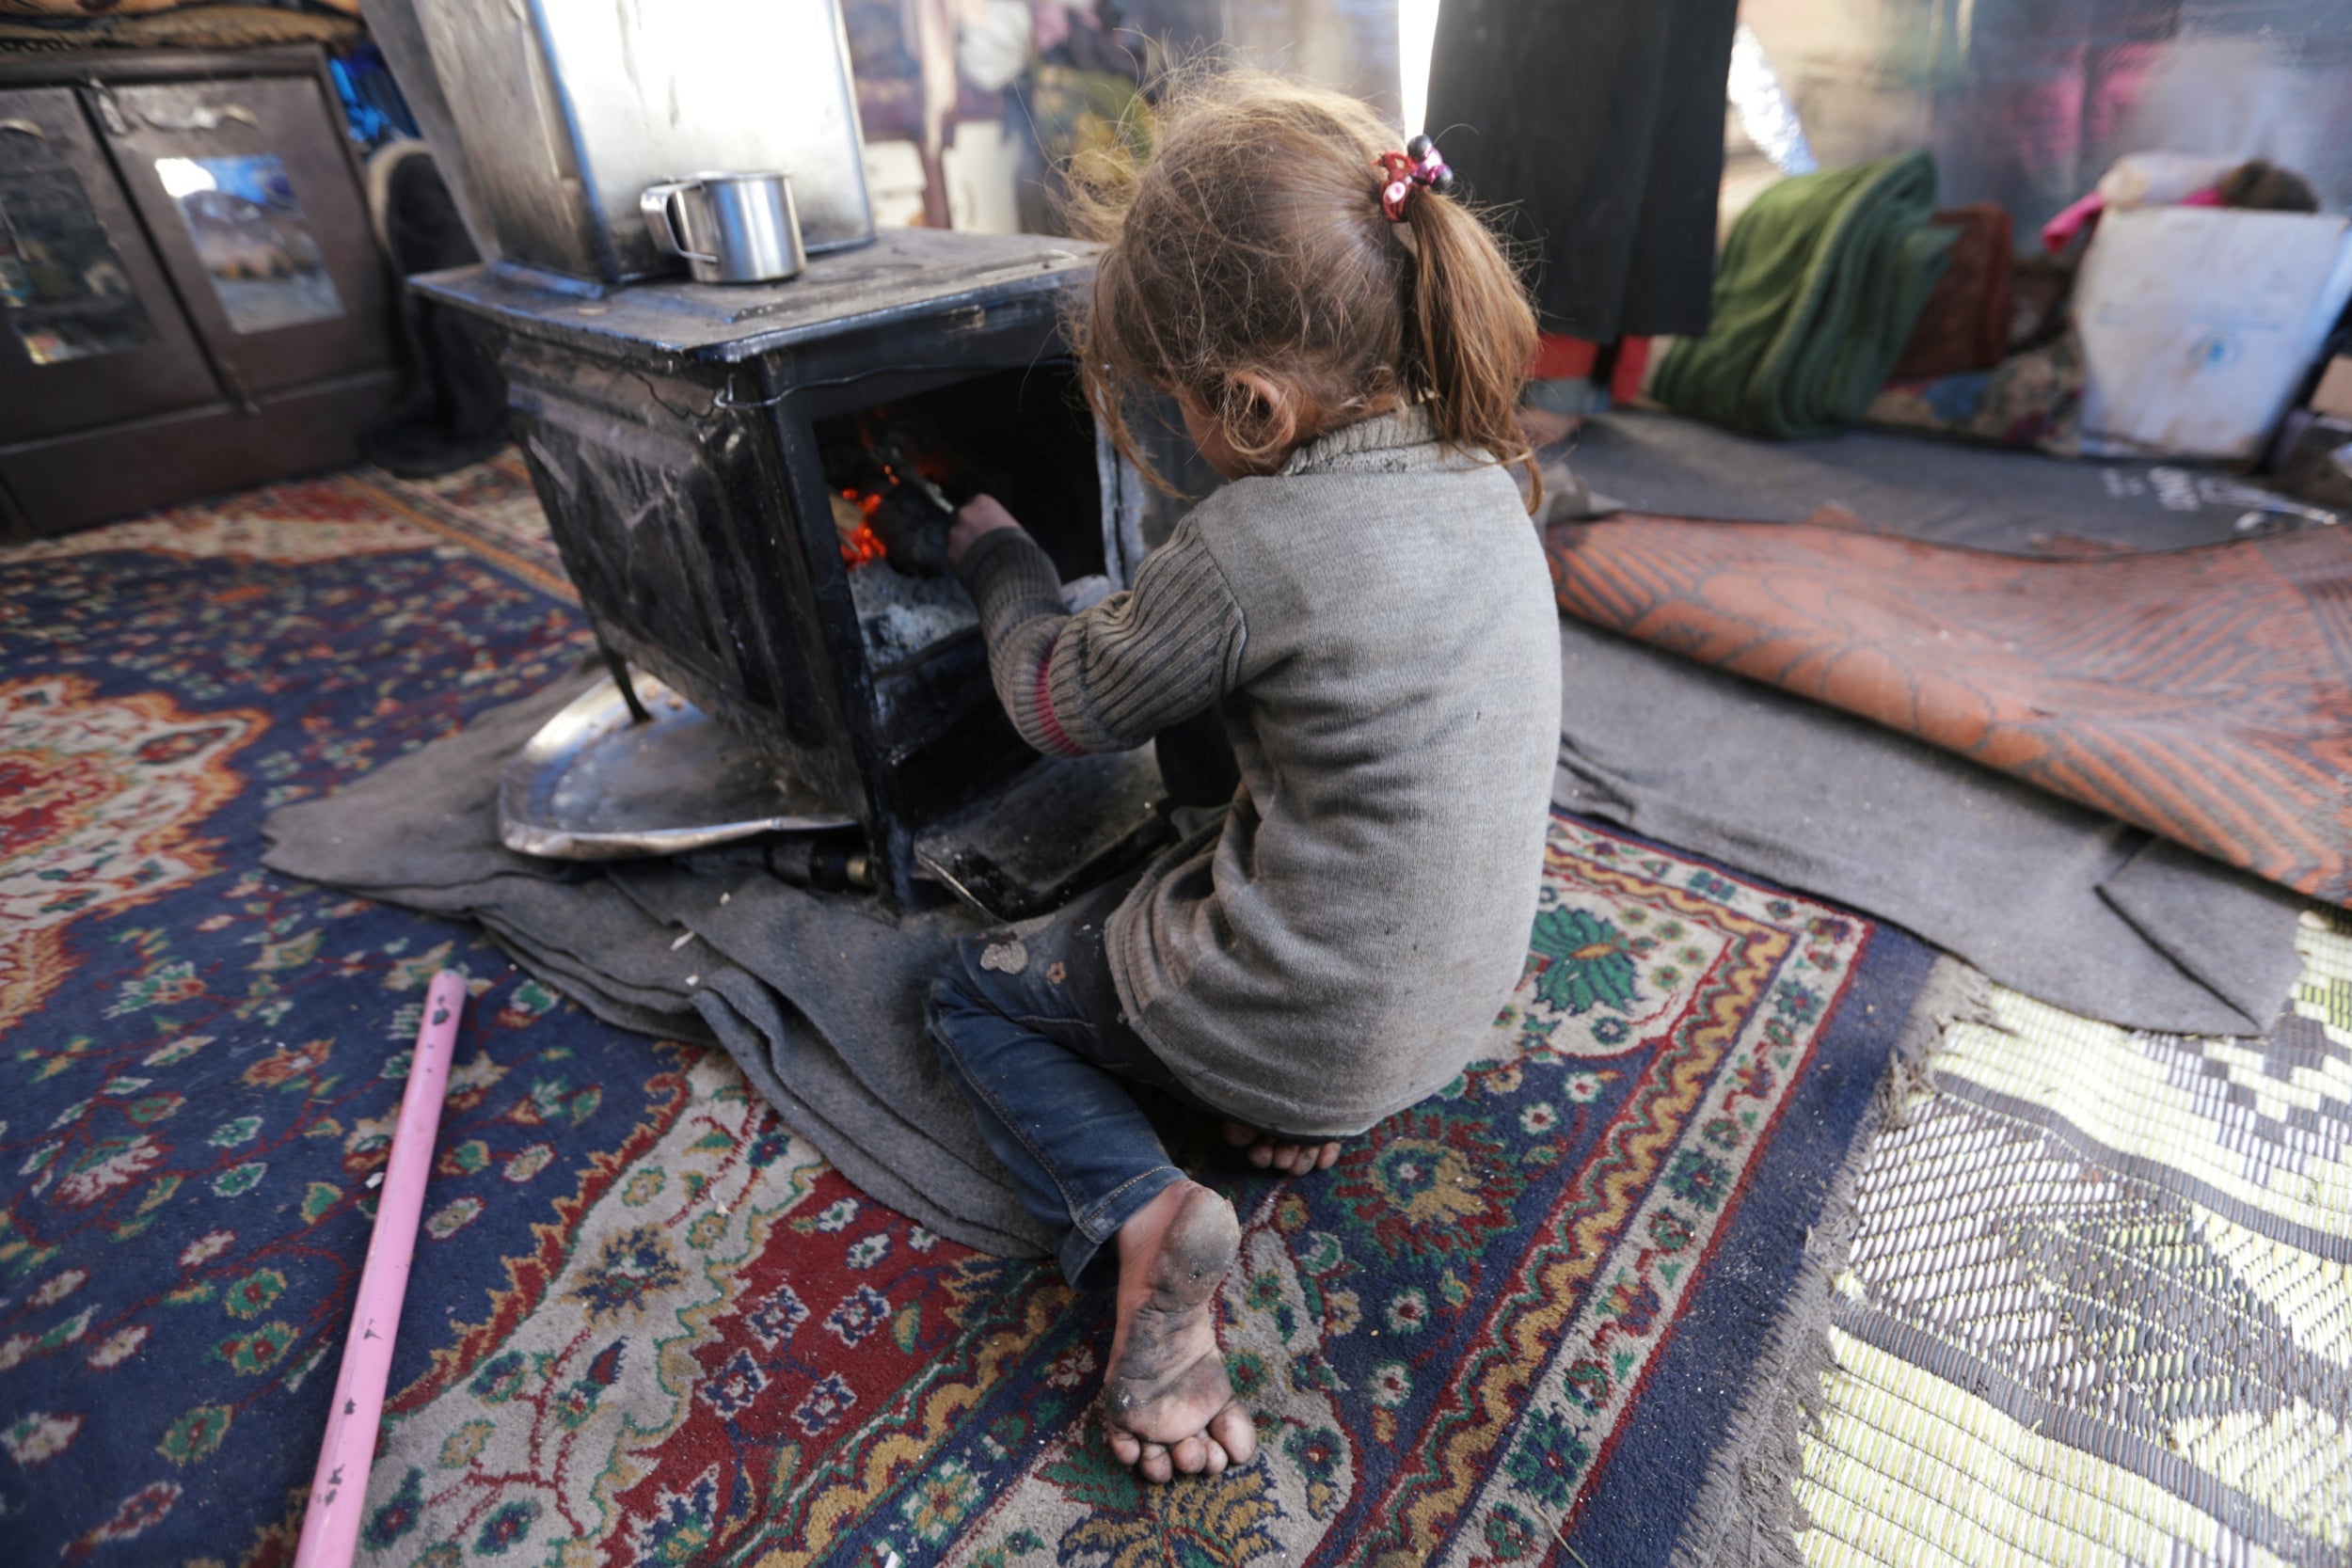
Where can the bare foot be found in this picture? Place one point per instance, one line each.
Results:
(1167, 1403)
(1267, 1149)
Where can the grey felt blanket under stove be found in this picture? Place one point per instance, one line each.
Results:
(818, 1001)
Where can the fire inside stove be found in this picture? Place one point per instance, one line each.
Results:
(853, 517)
(893, 499)
(896, 472)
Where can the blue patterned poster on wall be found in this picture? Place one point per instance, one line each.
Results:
(253, 239)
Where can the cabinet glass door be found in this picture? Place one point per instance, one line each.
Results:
(254, 241)
(89, 332)
(250, 198)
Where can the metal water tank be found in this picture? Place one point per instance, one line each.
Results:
(565, 110)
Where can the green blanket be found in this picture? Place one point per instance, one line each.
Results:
(1819, 286)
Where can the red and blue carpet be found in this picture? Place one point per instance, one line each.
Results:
(647, 1323)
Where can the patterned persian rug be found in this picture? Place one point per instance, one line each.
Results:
(490, 507)
(2099, 1305)
(647, 1323)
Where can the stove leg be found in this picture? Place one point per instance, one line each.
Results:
(619, 668)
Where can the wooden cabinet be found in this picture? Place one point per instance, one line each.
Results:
(191, 299)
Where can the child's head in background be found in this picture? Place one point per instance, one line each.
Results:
(1253, 274)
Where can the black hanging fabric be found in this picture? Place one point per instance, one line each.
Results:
(453, 410)
(1598, 124)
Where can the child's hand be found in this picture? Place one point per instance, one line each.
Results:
(979, 515)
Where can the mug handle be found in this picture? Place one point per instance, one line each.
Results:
(655, 205)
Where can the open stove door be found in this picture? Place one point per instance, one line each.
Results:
(1062, 827)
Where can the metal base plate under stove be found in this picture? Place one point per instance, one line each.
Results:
(592, 784)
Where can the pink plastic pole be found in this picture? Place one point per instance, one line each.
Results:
(339, 1489)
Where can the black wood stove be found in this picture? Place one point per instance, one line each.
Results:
(716, 462)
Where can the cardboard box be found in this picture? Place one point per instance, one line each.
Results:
(2334, 395)
(2317, 465)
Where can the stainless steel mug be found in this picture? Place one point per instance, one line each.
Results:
(729, 228)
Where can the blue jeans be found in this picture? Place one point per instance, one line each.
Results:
(1029, 1028)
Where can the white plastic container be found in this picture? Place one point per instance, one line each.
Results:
(2199, 322)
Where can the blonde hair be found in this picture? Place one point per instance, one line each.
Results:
(1250, 239)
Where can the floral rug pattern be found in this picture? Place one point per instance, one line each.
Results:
(647, 1323)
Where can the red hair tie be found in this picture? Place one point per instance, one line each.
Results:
(1402, 173)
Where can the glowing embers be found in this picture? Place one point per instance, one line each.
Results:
(902, 514)
(851, 514)
(891, 517)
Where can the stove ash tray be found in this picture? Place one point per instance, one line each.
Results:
(1062, 826)
(592, 784)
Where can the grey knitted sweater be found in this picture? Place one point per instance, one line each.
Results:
(1377, 622)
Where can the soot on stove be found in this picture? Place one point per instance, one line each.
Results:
(751, 490)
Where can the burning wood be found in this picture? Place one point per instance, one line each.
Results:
(887, 506)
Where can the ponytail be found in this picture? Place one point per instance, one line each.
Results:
(1255, 242)
(1474, 335)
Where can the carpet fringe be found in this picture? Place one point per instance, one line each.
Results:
(1747, 1515)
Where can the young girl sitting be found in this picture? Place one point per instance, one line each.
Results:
(1366, 605)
